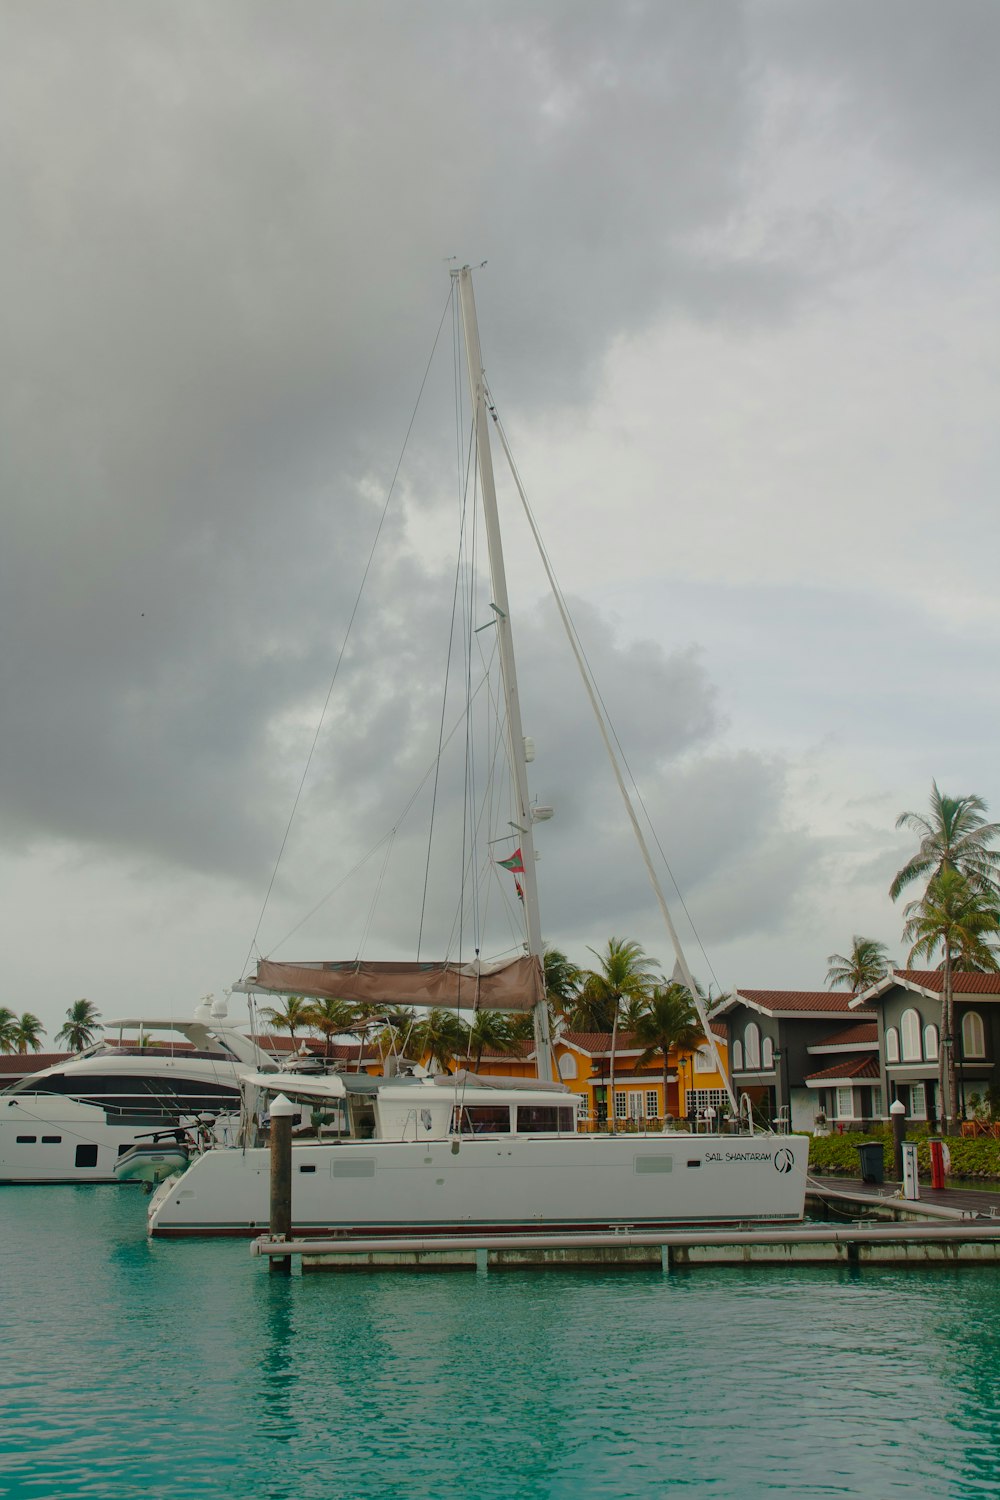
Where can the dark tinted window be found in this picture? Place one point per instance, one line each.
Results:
(86, 1156)
(482, 1119)
(26, 1140)
(51, 1140)
(534, 1119)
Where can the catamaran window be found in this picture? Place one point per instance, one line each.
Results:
(27, 1140)
(652, 1104)
(621, 1105)
(973, 1035)
(767, 1053)
(931, 1043)
(86, 1156)
(751, 1040)
(482, 1119)
(737, 1057)
(892, 1045)
(51, 1140)
(909, 1034)
(535, 1119)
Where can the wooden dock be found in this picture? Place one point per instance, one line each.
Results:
(921, 1243)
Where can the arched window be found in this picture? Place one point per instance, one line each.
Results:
(931, 1043)
(973, 1035)
(567, 1065)
(891, 1044)
(767, 1053)
(751, 1041)
(909, 1035)
(737, 1057)
(704, 1062)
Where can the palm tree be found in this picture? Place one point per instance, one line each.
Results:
(670, 1020)
(491, 1028)
(865, 965)
(623, 973)
(959, 918)
(397, 1024)
(81, 1022)
(330, 1018)
(8, 1022)
(27, 1033)
(293, 1014)
(956, 836)
(443, 1035)
(562, 980)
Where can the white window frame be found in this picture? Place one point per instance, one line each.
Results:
(704, 1062)
(918, 1101)
(973, 1035)
(891, 1045)
(767, 1054)
(700, 1099)
(621, 1104)
(909, 1036)
(931, 1042)
(652, 1104)
(877, 1102)
(737, 1057)
(635, 1105)
(567, 1065)
(751, 1044)
(844, 1096)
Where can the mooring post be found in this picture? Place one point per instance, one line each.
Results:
(897, 1113)
(282, 1112)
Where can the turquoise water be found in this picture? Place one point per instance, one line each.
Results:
(184, 1370)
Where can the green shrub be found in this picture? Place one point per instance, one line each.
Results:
(970, 1157)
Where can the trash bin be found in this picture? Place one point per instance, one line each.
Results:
(872, 1161)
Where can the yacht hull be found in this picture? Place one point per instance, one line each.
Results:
(493, 1184)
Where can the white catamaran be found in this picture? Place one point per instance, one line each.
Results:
(467, 1153)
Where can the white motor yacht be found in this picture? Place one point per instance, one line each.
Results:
(72, 1121)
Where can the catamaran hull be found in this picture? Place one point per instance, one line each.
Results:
(487, 1185)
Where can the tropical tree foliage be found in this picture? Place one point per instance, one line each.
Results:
(80, 1026)
(292, 1016)
(865, 965)
(956, 836)
(493, 1029)
(27, 1033)
(623, 973)
(442, 1036)
(669, 1020)
(8, 1022)
(562, 980)
(330, 1018)
(959, 919)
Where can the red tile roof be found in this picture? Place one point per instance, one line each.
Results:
(798, 1002)
(18, 1064)
(863, 1033)
(961, 983)
(854, 1067)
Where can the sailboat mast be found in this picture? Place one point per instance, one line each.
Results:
(515, 733)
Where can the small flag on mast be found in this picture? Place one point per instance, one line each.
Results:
(515, 863)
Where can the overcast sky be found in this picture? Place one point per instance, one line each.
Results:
(739, 315)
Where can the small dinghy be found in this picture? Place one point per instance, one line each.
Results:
(153, 1161)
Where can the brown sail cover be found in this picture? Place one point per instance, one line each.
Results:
(514, 985)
